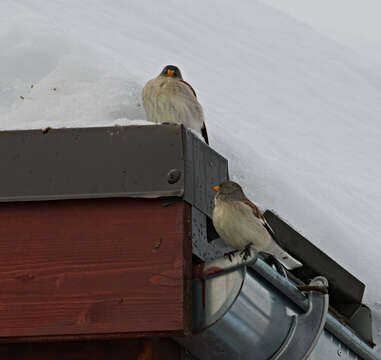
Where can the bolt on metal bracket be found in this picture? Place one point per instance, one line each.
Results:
(306, 329)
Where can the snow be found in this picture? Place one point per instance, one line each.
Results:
(352, 22)
(296, 113)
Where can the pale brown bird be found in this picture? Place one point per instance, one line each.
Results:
(241, 225)
(170, 99)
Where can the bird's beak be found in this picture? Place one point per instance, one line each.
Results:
(216, 188)
(170, 72)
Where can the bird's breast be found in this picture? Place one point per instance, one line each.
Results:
(237, 225)
(167, 100)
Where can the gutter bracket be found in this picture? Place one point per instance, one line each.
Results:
(306, 329)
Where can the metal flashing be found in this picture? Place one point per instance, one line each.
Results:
(119, 161)
(204, 168)
(346, 291)
(93, 162)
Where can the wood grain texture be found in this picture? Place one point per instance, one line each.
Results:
(99, 266)
(136, 349)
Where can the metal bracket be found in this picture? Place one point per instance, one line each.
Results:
(305, 329)
(223, 265)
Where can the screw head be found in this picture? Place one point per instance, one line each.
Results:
(173, 176)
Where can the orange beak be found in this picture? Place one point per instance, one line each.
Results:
(170, 72)
(216, 188)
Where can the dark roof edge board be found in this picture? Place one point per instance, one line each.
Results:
(74, 163)
(345, 289)
(119, 161)
(204, 168)
(91, 196)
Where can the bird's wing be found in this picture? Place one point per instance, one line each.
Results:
(203, 129)
(190, 87)
(204, 133)
(259, 215)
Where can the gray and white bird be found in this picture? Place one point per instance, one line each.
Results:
(241, 224)
(170, 99)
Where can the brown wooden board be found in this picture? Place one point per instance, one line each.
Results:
(99, 266)
(134, 349)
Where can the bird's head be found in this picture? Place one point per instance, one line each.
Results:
(171, 71)
(229, 190)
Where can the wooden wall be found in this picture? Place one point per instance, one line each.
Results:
(94, 267)
(137, 349)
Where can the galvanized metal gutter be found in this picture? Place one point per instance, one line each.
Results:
(341, 332)
(352, 341)
(245, 310)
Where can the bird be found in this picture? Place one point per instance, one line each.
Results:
(169, 99)
(241, 225)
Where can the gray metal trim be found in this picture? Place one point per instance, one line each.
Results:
(200, 246)
(133, 161)
(204, 168)
(119, 161)
(361, 322)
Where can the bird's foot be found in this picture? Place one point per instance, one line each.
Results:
(230, 255)
(246, 252)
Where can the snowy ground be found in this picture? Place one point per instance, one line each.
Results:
(296, 114)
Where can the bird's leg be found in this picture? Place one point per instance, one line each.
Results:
(246, 252)
(230, 254)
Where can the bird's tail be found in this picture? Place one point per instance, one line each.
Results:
(289, 262)
(285, 258)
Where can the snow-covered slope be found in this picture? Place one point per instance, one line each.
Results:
(296, 114)
(351, 22)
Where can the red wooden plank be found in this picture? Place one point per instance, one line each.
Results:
(134, 349)
(94, 267)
